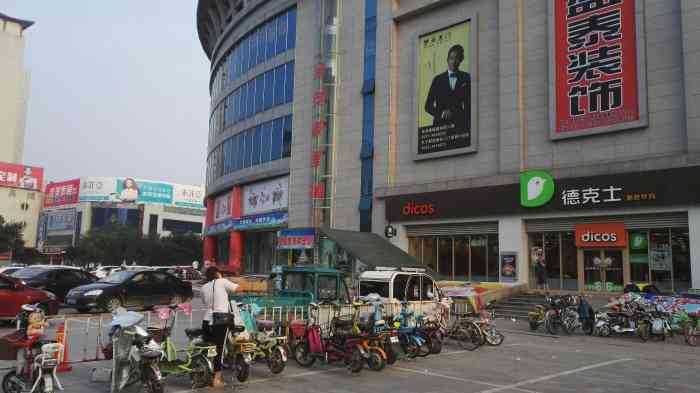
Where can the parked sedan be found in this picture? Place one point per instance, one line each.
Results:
(55, 279)
(130, 288)
(14, 294)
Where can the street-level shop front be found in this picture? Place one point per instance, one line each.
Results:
(590, 234)
(242, 226)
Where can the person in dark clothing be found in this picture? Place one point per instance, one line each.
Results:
(449, 96)
(541, 274)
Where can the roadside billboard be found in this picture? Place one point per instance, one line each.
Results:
(60, 229)
(97, 189)
(266, 196)
(21, 176)
(188, 196)
(62, 193)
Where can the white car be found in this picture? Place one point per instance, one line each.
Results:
(104, 271)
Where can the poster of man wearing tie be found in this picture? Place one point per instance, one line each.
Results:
(445, 92)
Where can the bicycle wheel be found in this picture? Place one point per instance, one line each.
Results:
(493, 336)
(468, 338)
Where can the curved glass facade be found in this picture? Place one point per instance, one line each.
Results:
(253, 94)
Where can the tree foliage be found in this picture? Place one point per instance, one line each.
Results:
(10, 235)
(115, 244)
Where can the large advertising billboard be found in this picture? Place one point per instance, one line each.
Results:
(597, 67)
(222, 207)
(21, 176)
(446, 92)
(131, 190)
(266, 196)
(62, 193)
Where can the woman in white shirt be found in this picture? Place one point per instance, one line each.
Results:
(215, 296)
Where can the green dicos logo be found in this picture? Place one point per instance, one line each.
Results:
(536, 188)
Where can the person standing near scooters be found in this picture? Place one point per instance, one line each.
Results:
(219, 315)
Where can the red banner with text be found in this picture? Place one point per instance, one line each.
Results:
(595, 64)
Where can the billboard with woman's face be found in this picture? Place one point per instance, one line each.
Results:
(445, 92)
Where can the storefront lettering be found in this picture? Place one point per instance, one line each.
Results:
(414, 209)
(590, 195)
(599, 237)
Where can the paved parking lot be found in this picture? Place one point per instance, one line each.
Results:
(524, 363)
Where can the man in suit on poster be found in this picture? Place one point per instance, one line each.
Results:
(449, 96)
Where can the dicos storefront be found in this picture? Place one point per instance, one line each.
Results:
(591, 234)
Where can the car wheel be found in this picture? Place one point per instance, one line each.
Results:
(112, 304)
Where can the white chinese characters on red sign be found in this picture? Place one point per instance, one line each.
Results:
(62, 193)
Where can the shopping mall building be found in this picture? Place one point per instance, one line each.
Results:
(480, 136)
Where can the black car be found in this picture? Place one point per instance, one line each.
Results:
(130, 288)
(55, 279)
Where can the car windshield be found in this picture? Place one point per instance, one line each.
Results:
(298, 282)
(117, 277)
(27, 273)
(381, 288)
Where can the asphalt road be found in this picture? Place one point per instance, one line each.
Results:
(524, 363)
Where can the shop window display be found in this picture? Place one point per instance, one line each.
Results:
(445, 257)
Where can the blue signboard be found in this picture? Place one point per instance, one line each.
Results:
(258, 221)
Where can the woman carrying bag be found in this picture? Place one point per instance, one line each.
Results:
(220, 314)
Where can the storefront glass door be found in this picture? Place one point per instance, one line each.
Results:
(603, 270)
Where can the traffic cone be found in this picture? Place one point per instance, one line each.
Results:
(63, 340)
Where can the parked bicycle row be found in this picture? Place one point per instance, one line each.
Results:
(646, 316)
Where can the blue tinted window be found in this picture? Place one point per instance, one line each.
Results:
(257, 136)
(251, 97)
(370, 8)
(259, 93)
(269, 89)
(370, 47)
(289, 82)
(226, 155)
(240, 140)
(266, 139)
(291, 28)
(229, 66)
(253, 49)
(226, 111)
(234, 153)
(244, 55)
(368, 119)
(271, 38)
(237, 105)
(287, 137)
(244, 100)
(248, 147)
(236, 63)
(262, 44)
(276, 144)
(282, 33)
(279, 85)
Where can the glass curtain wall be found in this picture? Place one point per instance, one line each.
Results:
(473, 258)
(560, 256)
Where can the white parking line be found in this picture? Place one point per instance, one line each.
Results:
(432, 374)
(552, 376)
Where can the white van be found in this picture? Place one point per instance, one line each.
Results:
(399, 284)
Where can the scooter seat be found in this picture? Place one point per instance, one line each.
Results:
(151, 355)
(237, 328)
(192, 333)
(264, 324)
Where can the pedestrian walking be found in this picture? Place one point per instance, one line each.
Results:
(220, 313)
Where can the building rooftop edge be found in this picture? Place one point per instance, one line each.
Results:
(22, 22)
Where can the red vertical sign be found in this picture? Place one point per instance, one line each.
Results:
(595, 64)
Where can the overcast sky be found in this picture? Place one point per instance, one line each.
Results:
(118, 88)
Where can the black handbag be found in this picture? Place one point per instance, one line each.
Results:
(220, 318)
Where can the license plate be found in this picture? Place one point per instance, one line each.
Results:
(72, 301)
(211, 352)
(394, 339)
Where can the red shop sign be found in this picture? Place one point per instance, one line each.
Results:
(601, 235)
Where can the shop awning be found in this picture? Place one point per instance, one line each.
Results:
(371, 248)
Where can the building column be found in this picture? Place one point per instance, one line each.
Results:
(209, 241)
(694, 240)
(235, 251)
(512, 238)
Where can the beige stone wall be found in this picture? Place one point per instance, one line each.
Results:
(14, 92)
(12, 203)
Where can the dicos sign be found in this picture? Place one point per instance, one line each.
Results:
(611, 235)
